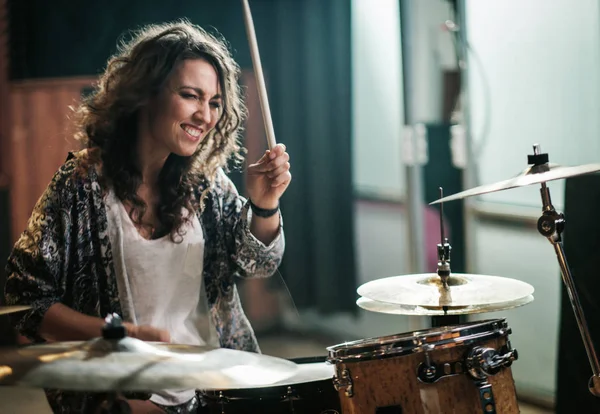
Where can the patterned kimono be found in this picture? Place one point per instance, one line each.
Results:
(65, 256)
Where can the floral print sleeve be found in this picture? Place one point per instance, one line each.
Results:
(252, 257)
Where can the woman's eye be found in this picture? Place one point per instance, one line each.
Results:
(189, 96)
(216, 105)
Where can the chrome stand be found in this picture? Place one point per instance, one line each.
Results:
(551, 225)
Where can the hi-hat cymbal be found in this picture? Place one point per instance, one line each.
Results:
(389, 308)
(462, 290)
(531, 175)
(129, 364)
(12, 309)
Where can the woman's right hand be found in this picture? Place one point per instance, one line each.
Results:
(147, 333)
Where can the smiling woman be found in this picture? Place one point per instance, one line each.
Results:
(164, 79)
(144, 222)
(181, 115)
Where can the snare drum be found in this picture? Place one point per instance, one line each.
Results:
(456, 369)
(309, 391)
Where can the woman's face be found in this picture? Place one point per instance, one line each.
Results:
(186, 109)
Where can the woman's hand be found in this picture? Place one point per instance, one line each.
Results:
(147, 333)
(269, 177)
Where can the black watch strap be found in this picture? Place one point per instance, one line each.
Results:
(263, 212)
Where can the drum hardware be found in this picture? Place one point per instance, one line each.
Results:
(222, 401)
(430, 372)
(539, 171)
(483, 362)
(309, 390)
(116, 362)
(486, 396)
(402, 371)
(443, 293)
(395, 309)
(343, 381)
(479, 363)
(290, 397)
(443, 251)
(458, 294)
(551, 224)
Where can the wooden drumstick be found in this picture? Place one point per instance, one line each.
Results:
(260, 80)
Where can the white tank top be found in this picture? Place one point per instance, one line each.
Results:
(161, 284)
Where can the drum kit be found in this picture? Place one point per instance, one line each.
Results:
(459, 368)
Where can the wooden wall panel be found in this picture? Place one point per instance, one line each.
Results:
(40, 138)
(4, 95)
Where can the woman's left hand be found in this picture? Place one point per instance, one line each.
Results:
(269, 177)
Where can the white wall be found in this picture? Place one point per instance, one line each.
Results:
(542, 62)
(377, 106)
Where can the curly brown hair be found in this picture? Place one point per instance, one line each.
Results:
(107, 119)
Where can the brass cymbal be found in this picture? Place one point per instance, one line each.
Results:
(531, 175)
(462, 290)
(389, 308)
(12, 309)
(129, 364)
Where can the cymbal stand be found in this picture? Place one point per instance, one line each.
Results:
(443, 270)
(111, 402)
(443, 249)
(551, 225)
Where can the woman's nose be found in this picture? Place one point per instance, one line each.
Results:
(203, 112)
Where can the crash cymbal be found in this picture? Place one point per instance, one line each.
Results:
(462, 290)
(129, 364)
(389, 308)
(4, 310)
(531, 175)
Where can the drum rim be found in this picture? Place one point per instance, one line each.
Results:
(418, 341)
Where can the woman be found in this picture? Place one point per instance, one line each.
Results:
(143, 222)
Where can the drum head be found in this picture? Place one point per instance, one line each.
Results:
(311, 370)
(310, 390)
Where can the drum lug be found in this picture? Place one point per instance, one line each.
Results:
(290, 396)
(429, 372)
(483, 362)
(343, 380)
(486, 397)
(222, 401)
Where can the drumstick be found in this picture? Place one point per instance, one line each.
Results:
(260, 80)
